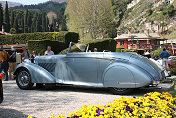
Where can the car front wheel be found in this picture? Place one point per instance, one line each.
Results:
(119, 91)
(23, 79)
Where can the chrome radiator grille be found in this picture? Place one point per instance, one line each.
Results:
(50, 67)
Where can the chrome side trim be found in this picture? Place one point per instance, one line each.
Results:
(84, 83)
(127, 83)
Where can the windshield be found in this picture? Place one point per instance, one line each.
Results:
(76, 47)
(81, 47)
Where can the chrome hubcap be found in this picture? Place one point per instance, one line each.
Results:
(23, 78)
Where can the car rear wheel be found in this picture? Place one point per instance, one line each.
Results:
(23, 79)
(119, 91)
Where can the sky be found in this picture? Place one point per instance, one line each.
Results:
(27, 2)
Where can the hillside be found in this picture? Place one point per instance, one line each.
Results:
(153, 15)
(54, 10)
(59, 1)
(11, 4)
(45, 7)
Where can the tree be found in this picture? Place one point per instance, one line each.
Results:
(6, 18)
(12, 18)
(29, 20)
(26, 21)
(119, 9)
(34, 19)
(15, 24)
(43, 22)
(38, 23)
(89, 17)
(1, 16)
(63, 26)
(47, 23)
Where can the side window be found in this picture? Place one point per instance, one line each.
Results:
(152, 42)
(121, 43)
(157, 42)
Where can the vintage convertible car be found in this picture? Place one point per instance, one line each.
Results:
(118, 71)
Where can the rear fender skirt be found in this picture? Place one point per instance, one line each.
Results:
(122, 75)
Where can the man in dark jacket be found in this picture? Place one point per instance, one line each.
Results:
(164, 56)
(4, 65)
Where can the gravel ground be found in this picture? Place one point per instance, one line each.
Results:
(42, 103)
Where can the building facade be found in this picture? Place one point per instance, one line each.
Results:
(138, 41)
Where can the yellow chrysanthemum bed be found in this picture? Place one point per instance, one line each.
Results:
(152, 105)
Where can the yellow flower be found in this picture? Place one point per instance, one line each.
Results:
(70, 114)
(154, 104)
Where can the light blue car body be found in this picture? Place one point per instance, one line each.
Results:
(98, 69)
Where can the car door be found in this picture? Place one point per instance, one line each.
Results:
(83, 68)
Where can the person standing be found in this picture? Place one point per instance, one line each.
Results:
(25, 54)
(164, 56)
(48, 52)
(12, 62)
(50, 26)
(147, 54)
(95, 50)
(57, 27)
(33, 55)
(18, 58)
(4, 65)
(155, 57)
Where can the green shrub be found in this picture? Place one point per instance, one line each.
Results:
(63, 36)
(125, 50)
(173, 68)
(119, 49)
(40, 46)
(13, 31)
(100, 44)
(158, 52)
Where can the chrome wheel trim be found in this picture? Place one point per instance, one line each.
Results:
(23, 78)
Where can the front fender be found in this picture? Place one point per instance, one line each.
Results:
(125, 75)
(38, 74)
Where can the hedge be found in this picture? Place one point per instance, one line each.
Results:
(173, 68)
(40, 46)
(119, 49)
(63, 36)
(100, 44)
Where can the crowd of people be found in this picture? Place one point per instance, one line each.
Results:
(52, 29)
(10, 59)
(163, 55)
